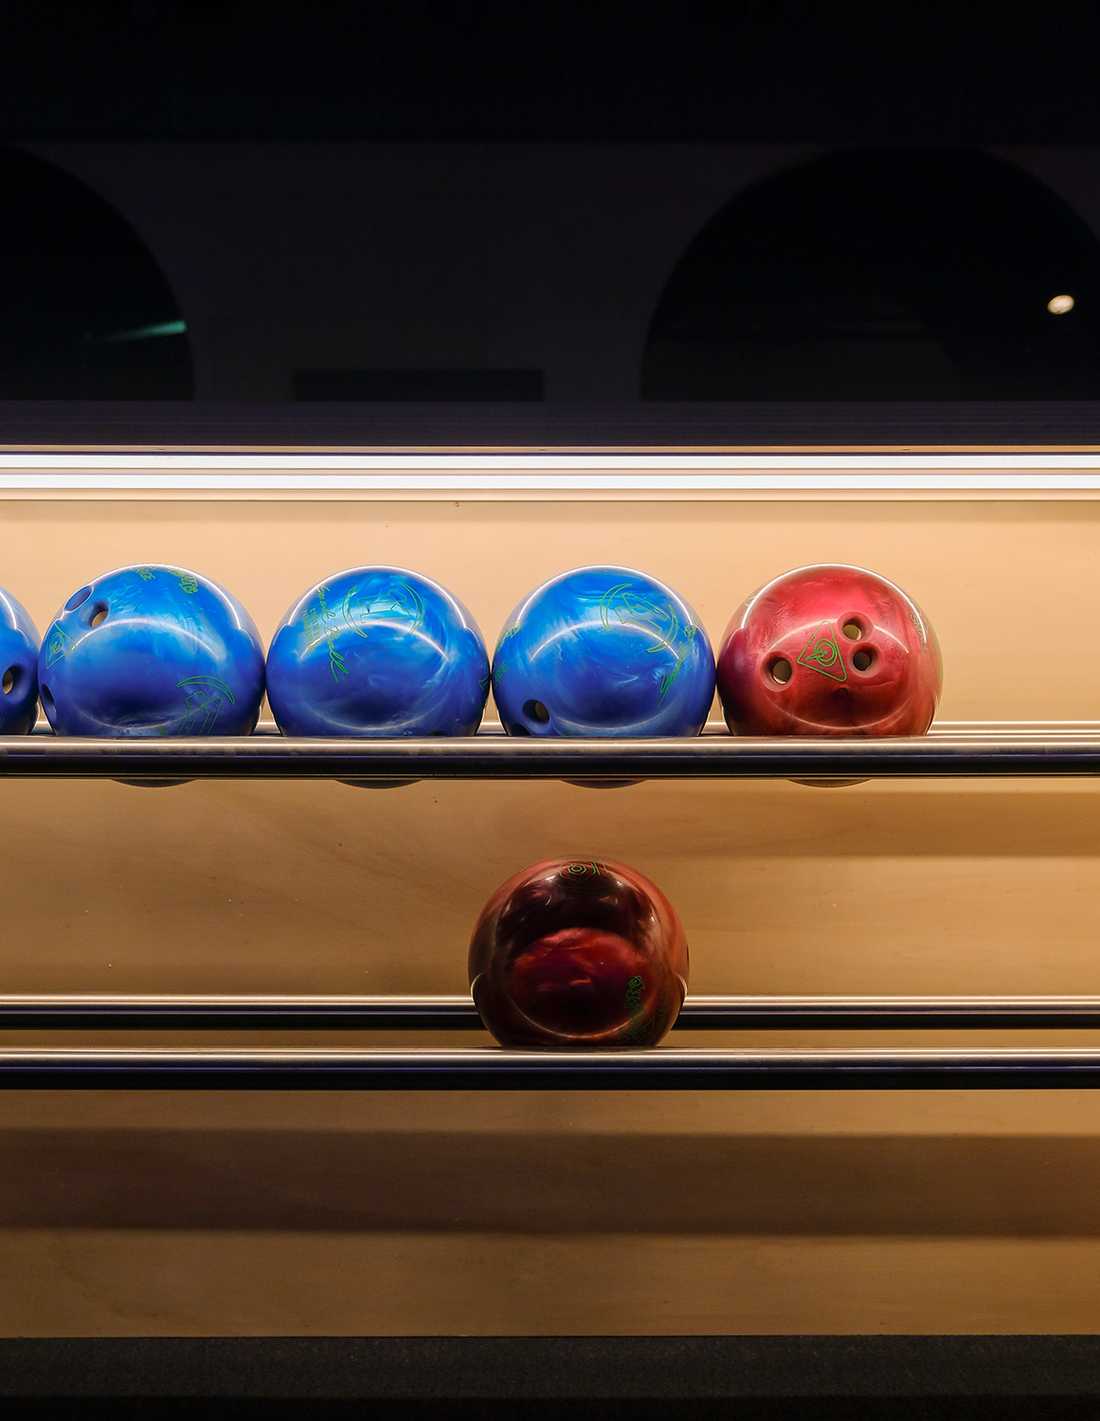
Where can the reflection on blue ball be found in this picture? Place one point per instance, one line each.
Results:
(603, 651)
(378, 651)
(18, 667)
(152, 651)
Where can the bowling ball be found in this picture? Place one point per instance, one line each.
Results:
(603, 651)
(377, 651)
(829, 651)
(148, 651)
(18, 667)
(576, 953)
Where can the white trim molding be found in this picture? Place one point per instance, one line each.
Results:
(517, 475)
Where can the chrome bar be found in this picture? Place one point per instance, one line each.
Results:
(491, 726)
(978, 752)
(224, 1012)
(240, 1068)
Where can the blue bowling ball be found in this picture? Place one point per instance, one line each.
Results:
(150, 651)
(18, 667)
(377, 651)
(603, 651)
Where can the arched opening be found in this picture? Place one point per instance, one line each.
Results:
(883, 275)
(85, 312)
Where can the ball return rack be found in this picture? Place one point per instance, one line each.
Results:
(951, 750)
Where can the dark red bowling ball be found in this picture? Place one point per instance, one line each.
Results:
(829, 650)
(577, 954)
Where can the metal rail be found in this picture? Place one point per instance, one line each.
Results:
(954, 749)
(226, 1012)
(204, 1068)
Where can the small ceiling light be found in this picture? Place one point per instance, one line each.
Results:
(1059, 305)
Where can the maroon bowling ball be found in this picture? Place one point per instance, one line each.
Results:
(829, 651)
(578, 954)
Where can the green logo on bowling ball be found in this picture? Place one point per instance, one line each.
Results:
(187, 583)
(626, 604)
(319, 624)
(401, 600)
(822, 654)
(204, 698)
(56, 646)
(637, 1023)
(500, 666)
(324, 623)
(146, 574)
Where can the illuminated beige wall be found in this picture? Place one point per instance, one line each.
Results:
(170, 1213)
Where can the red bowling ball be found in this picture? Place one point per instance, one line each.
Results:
(829, 651)
(582, 955)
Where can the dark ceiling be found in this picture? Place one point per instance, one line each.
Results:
(761, 72)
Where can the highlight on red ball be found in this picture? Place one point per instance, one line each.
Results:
(829, 650)
(578, 954)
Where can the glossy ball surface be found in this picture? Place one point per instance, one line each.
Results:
(18, 667)
(572, 953)
(603, 651)
(151, 650)
(829, 651)
(378, 651)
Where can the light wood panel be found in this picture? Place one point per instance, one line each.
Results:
(469, 1213)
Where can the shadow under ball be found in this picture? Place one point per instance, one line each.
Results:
(578, 954)
(829, 650)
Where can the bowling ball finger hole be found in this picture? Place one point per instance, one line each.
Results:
(863, 659)
(780, 670)
(854, 629)
(10, 679)
(99, 615)
(79, 597)
(536, 711)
